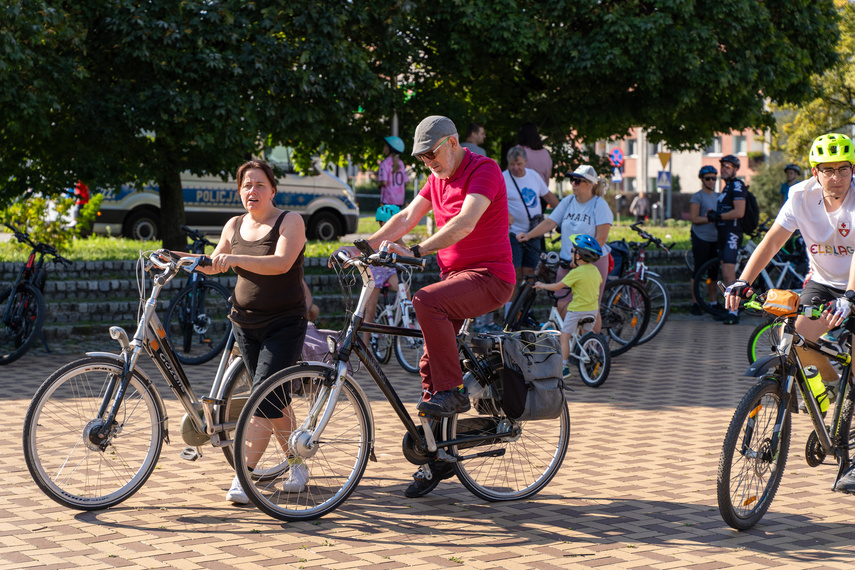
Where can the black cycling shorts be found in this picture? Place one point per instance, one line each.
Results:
(729, 242)
(824, 293)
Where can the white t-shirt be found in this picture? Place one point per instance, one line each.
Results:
(828, 235)
(576, 218)
(532, 187)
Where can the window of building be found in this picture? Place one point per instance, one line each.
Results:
(629, 184)
(715, 147)
(632, 147)
(740, 144)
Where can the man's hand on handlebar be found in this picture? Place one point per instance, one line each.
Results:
(739, 289)
(346, 250)
(838, 312)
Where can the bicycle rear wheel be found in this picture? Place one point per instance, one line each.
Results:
(660, 307)
(625, 313)
(749, 470)
(380, 344)
(335, 464)
(197, 322)
(512, 466)
(595, 370)
(409, 349)
(763, 338)
(23, 322)
(62, 453)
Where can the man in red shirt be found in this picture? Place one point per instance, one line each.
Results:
(467, 194)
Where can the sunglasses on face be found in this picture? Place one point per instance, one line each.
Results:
(577, 181)
(709, 178)
(431, 154)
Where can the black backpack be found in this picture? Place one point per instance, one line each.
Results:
(751, 219)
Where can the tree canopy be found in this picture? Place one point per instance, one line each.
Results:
(116, 91)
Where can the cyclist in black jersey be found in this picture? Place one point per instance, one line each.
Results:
(727, 218)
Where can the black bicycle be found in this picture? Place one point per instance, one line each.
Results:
(196, 321)
(23, 303)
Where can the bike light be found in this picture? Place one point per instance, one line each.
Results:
(331, 344)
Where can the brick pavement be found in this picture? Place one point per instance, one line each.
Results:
(637, 490)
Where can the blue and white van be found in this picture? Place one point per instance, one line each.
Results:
(327, 203)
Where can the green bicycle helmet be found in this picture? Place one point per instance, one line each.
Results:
(832, 147)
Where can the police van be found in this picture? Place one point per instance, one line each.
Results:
(327, 203)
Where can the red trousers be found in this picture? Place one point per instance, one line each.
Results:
(441, 308)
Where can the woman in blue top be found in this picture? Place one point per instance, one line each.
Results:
(583, 212)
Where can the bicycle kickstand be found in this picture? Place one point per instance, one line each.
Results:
(44, 340)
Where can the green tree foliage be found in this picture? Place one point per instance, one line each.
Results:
(45, 219)
(766, 187)
(832, 108)
(124, 90)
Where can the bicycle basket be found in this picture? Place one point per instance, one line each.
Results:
(781, 302)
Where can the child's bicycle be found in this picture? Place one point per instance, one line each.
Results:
(23, 304)
(399, 313)
(332, 433)
(94, 429)
(757, 443)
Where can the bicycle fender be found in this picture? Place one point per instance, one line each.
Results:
(359, 389)
(158, 401)
(765, 365)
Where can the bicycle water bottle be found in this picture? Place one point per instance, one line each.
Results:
(817, 388)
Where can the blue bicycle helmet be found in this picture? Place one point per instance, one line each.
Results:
(732, 159)
(795, 168)
(707, 170)
(385, 212)
(587, 247)
(395, 143)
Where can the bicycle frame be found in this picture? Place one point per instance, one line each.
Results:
(795, 378)
(305, 438)
(150, 336)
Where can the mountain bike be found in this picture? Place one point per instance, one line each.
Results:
(495, 457)
(94, 429)
(399, 313)
(23, 304)
(197, 321)
(637, 270)
(589, 350)
(757, 443)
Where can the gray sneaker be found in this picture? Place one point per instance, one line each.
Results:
(445, 403)
(846, 483)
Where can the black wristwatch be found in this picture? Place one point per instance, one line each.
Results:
(417, 251)
(850, 295)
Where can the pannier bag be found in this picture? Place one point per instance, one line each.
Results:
(532, 384)
(621, 255)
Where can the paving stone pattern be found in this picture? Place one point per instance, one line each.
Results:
(637, 489)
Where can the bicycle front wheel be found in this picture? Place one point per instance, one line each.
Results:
(625, 313)
(197, 322)
(409, 349)
(23, 322)
(64, 455)
(750, 470)
(331, 468)
(380, 344)
(660, 307)
(763, 338)
(513, 466)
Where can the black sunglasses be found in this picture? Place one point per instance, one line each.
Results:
(708, 178)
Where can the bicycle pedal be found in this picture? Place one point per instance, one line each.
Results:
(213, 401)
(191, 454)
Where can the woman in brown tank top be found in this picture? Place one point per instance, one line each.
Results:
(265, 248)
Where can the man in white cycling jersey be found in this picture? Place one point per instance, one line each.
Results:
(822, 208)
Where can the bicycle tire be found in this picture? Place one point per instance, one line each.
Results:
(335, 464)
(26, 318)
(198, 316)
(380, 345)
(409, 349)
(689, 260)
(844, 431)
(594, 372)
(660, 307)
(64, 463)
(625, 313)
(762, 339)
(711, 270)
(509, 468)
(237, 387)
(746, 485)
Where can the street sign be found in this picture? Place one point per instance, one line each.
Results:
(664, 157)
(616, 158)
(617, 176)
(664, 180)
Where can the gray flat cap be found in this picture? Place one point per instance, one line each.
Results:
(430, 131)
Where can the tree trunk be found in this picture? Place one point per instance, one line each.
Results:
(172, 211)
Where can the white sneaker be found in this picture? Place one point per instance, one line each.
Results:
(298, 479)
(236, 493)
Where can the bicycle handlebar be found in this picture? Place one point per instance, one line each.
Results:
(176, 262)
(650, 238)
(40, 247)
(197, 236)
(812, 311)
